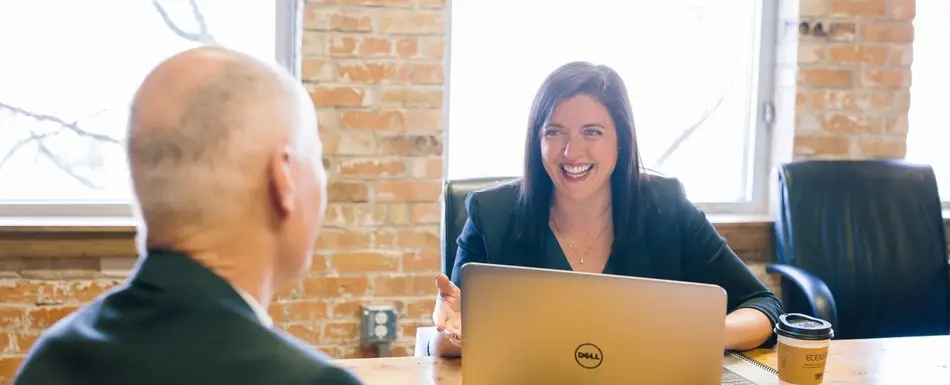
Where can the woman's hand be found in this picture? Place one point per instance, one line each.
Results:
(448, 310)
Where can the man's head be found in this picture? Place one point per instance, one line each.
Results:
(226, 161)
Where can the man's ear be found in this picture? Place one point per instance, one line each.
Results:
(282, 182)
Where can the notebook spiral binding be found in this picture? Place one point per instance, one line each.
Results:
(754, 362)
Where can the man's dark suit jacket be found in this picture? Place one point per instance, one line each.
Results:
(173, 323)
(677, 243)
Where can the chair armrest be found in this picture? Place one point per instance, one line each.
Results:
(423, 336)
(816, 292)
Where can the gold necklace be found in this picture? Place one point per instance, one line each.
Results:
(569, 245)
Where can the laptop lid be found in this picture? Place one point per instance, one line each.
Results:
(537, 326)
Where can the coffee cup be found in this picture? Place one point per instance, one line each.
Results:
(803, 343)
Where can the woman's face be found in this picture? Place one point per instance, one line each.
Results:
(579, 147)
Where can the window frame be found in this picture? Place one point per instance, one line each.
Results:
(759, 162)
(288, 39)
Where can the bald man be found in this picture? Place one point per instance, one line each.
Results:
(228, 174)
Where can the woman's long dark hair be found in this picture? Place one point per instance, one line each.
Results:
(534, 200)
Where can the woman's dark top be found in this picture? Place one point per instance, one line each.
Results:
(678, 243)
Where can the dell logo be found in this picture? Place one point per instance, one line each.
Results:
(588, 356)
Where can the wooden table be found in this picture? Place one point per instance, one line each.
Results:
(890, 361)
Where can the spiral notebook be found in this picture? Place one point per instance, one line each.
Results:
(739, 369)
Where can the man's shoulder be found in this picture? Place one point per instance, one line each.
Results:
(315, 366)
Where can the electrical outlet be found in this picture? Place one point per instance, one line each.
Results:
(379, 324)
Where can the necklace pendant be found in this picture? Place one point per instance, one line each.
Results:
(582, 260)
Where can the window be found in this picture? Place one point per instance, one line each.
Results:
(68, 76)
(698, 73)
(927, 138)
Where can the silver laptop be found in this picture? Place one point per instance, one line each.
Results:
(537, 326)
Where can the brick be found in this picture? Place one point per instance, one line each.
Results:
(413, 97)
(33, 292)
(9, 366)
(341, 45)
(297, 311)
(340, 331)
(408, 191)
(318, 264)
(428, 168)
(432, 3)
(410, 238)
(347, 192)
(848, 100)
(821, 144)
(888, 32)
(404, 285)
(348, 216)
(407, 47)
(433, 48)
(412, 22)
(349, 143)
(327, 96)
(332, 19)
(852, 54)
(317, 70)
(348, 309)
(411, 145)
(327, 287)
(397, 214)
(12, 317)
(372, 46)
(371, 168)
(811, 8)
(365, 261)
(882, 147)
(857, 8)
(338, 239)
(421, 309)
(373, 120)
(851, 124)
(424, 120)
(427, 73)
(822, 77)
(886, 78)
(901, 100)
(374, 72)
(903, 9)
(901, 55)
(379, 3)
(421, 261)
(896, 125)
(425, 213)
(810, 53)
(842, 31)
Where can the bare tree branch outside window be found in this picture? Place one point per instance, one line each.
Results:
(202, 36)
(692, 129)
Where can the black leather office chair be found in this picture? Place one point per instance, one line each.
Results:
(454, 215)
(862, 244)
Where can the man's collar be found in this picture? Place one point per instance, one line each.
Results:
(189, 280)
(259, 310)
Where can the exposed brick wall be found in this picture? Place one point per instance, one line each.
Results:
(375, 71)
(852, 91)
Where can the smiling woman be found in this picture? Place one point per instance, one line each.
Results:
(586, 204)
